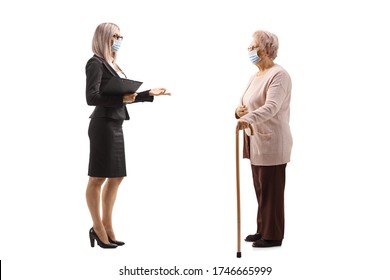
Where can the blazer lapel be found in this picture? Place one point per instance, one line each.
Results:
(108, 67)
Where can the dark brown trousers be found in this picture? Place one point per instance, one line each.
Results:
(269, 182)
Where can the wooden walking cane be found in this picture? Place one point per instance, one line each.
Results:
(238, 189)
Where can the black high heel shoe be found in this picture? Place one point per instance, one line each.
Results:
(119, 243)
(93, 236)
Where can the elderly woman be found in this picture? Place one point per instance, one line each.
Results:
(265, 105)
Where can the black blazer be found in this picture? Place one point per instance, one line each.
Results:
(98, 74)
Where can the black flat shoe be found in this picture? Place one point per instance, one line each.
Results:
(119, 243)
(266, 243)
(93, 236)
(253, 237)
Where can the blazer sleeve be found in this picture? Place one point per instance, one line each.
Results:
(143, 96)
(94, 73)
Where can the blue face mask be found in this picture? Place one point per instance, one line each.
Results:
(116, 45)
(253, 57)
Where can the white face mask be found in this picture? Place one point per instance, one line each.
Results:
(116, 45)
(253, 57)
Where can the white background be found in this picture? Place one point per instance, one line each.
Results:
(177, 205)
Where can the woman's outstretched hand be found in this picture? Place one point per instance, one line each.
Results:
(158, 92)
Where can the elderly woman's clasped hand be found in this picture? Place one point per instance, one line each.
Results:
(243, 124)
(242, 110)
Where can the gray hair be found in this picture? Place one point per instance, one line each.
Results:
(268, 42)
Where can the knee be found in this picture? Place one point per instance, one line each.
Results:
(114, 181)
(96, 181)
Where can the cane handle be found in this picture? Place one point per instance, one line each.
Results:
(250, 128)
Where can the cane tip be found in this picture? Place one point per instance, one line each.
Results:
(238, 254)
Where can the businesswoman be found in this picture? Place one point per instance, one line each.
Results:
(265, 105)
(107, 155)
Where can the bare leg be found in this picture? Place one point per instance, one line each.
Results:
(110, 191)
(93, 201)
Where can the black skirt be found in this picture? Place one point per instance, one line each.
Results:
(107, 148)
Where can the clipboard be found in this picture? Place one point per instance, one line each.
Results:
(120, 86)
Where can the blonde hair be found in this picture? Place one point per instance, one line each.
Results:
(268, 42)
(102, 42)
